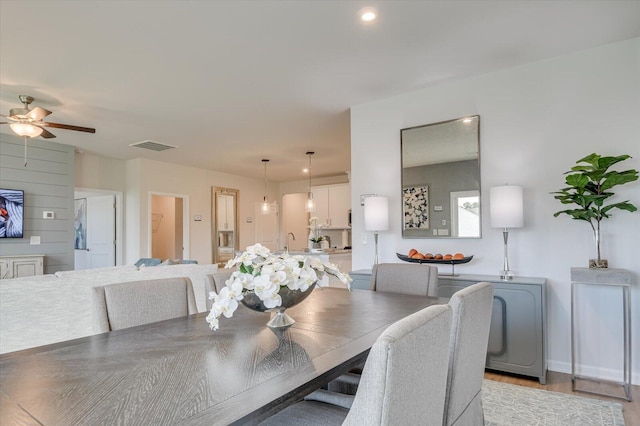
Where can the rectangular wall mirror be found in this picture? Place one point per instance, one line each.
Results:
(224, 218)
(441, 179)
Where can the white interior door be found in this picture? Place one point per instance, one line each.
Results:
(101, 234)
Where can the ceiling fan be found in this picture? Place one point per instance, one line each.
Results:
(28, 122)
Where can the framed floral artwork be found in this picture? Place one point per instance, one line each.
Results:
(415, 207)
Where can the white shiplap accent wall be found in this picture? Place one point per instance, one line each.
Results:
(48, 181)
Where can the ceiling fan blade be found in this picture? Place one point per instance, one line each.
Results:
(67, 126)
(38, 113)
(47, 134)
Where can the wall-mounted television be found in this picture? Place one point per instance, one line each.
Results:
(12, 213)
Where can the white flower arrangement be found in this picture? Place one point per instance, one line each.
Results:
(316, 232)
(265, 273)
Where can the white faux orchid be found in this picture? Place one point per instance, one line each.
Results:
(266, 273)
(316, 230)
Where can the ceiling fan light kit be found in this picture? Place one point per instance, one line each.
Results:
(23, 121)
(26, 129)
(28, 123)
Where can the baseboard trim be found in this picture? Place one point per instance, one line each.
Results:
(591, 371)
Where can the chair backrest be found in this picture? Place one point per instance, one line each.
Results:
(404, 379)
(148, 261)
(215, 282)
(472, 308)
(405, 278)
(129, 304)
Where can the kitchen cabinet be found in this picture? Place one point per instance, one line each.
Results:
(333, 203)
(321, 204)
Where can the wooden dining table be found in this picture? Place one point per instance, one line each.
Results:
(179, 372)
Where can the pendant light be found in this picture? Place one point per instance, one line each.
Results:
(264, 208)
(311, 206)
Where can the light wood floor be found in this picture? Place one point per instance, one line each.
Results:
(560, 382)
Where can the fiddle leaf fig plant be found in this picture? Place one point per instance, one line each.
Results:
(588, 187)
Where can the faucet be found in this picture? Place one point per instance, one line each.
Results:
(293, 237)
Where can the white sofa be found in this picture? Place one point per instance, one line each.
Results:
(40, 310)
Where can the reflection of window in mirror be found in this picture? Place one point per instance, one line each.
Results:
(465, 213)
(441, 168)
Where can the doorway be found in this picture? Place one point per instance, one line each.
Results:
(225, 237)
(295, 222)
(169, 226)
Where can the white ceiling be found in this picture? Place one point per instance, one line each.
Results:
(232, 82)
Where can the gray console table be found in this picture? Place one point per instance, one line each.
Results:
(604, 277)
(518, 336)
(361, 279)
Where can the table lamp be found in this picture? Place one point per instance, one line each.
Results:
(376, 217)
(506, 211)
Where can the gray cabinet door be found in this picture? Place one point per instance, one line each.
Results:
(516, 339)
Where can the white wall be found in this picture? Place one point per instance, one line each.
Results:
(146, 176)
(535, 122)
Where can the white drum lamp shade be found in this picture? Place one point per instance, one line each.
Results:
(506, 211)
(376, 213)
(376, 218)
(506, 206)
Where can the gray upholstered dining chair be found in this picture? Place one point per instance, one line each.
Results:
(472, 307)
(403, 381)
(215, 282)
(129, 304)
(405, 278)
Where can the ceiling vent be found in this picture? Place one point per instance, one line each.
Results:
(153, 146)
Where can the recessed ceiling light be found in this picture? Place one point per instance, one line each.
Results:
(368, 14)
(305, 170)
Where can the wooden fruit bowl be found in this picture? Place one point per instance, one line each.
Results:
(439, 261)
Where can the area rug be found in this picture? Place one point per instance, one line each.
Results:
(511, 405)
